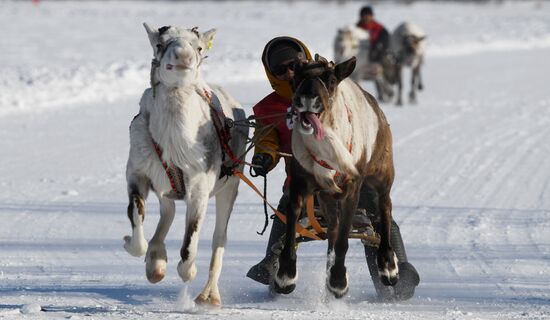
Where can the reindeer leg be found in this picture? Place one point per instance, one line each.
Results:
(138, 187)
(224, 205)
(412, 93)
(399, 86)
(379, 90)
(197, 201)
(285, 274)
(156, 258)
(420, 85)
(337, 278)
(368, 200)
(330, 211)
(387, 260)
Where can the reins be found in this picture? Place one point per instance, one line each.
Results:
(236, 161)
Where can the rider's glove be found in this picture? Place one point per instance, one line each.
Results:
(262, 163)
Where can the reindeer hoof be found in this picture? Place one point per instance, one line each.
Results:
(389, 277)
(155, 270)
(338, 293)
(187, 272)
(156, 276)
(210, 301)
(337, 283)
(389, 281)
(388, 269)
(282, 290)
(135, 248)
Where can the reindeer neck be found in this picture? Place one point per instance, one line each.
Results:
(340, 111)
(176, 119)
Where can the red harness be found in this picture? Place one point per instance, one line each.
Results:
(175, 174)
(222, 129)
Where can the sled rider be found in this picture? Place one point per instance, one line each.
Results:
(378, 34)
(278, 58)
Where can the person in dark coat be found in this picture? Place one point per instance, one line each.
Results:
(378, 34)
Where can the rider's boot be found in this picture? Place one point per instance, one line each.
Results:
(261, 272)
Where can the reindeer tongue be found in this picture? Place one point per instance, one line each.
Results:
(316, 124)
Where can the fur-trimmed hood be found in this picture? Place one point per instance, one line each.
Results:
(281, 87)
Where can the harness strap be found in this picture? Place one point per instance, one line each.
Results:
(175, 174)
(339, 178)
(311, 216)
(222, 130)
(154, 82)
(301, 230)
(224, 136)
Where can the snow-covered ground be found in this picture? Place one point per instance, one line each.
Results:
(472, 191)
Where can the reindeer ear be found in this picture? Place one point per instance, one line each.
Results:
(321, 59)
(344, 69)
(153, 35)
(418, 39)
(208, 38)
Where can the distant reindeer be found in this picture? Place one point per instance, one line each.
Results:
(406, 49)
(352, 41)
(175, 151)
(340, 141)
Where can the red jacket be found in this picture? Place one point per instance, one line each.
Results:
(272, 110)
(373, 28)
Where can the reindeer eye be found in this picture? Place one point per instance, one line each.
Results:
(199, 49)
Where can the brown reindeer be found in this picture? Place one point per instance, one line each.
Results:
(341, 140)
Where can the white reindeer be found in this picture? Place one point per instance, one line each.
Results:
(407, 49)
(176, 124)
(352, 41)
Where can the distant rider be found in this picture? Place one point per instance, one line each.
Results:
(378, 34)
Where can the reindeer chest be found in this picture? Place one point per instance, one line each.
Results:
(184, 131)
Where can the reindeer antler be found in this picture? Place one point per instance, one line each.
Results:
(323, 61)
(195, 30)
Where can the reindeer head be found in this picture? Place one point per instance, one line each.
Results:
(314, 85)
(349, 41)
(179, 53)
(411, 47)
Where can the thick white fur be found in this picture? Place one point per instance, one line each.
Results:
(178, 118)
(353, 41)
(333, 148)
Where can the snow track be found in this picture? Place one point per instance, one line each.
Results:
(462, 266)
